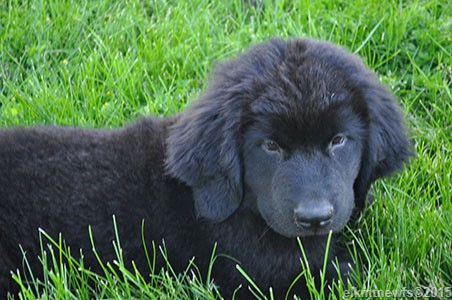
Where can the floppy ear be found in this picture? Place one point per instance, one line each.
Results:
(387, 146)
(203, 147)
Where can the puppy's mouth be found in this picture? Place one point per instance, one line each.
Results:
(314, 232)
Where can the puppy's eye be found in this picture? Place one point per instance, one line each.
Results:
(337, 141)
(271, 146)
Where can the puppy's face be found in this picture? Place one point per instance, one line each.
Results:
(302, 151)
(302, 188)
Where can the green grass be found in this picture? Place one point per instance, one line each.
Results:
(103, 63)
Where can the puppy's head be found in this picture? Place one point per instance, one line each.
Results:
(298, 130)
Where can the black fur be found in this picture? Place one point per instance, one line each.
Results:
(285, 142)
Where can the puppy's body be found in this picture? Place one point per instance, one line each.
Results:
(65, 179)
(283, 144)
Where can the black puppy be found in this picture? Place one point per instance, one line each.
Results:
(285, 143)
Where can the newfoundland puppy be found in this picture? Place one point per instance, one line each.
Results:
(284, 144)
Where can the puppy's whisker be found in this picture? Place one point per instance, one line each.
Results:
(264, 232)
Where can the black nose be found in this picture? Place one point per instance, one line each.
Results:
(315, 216)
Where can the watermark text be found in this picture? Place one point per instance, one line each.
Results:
(419, 292)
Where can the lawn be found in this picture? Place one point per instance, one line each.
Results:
(104, 63)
